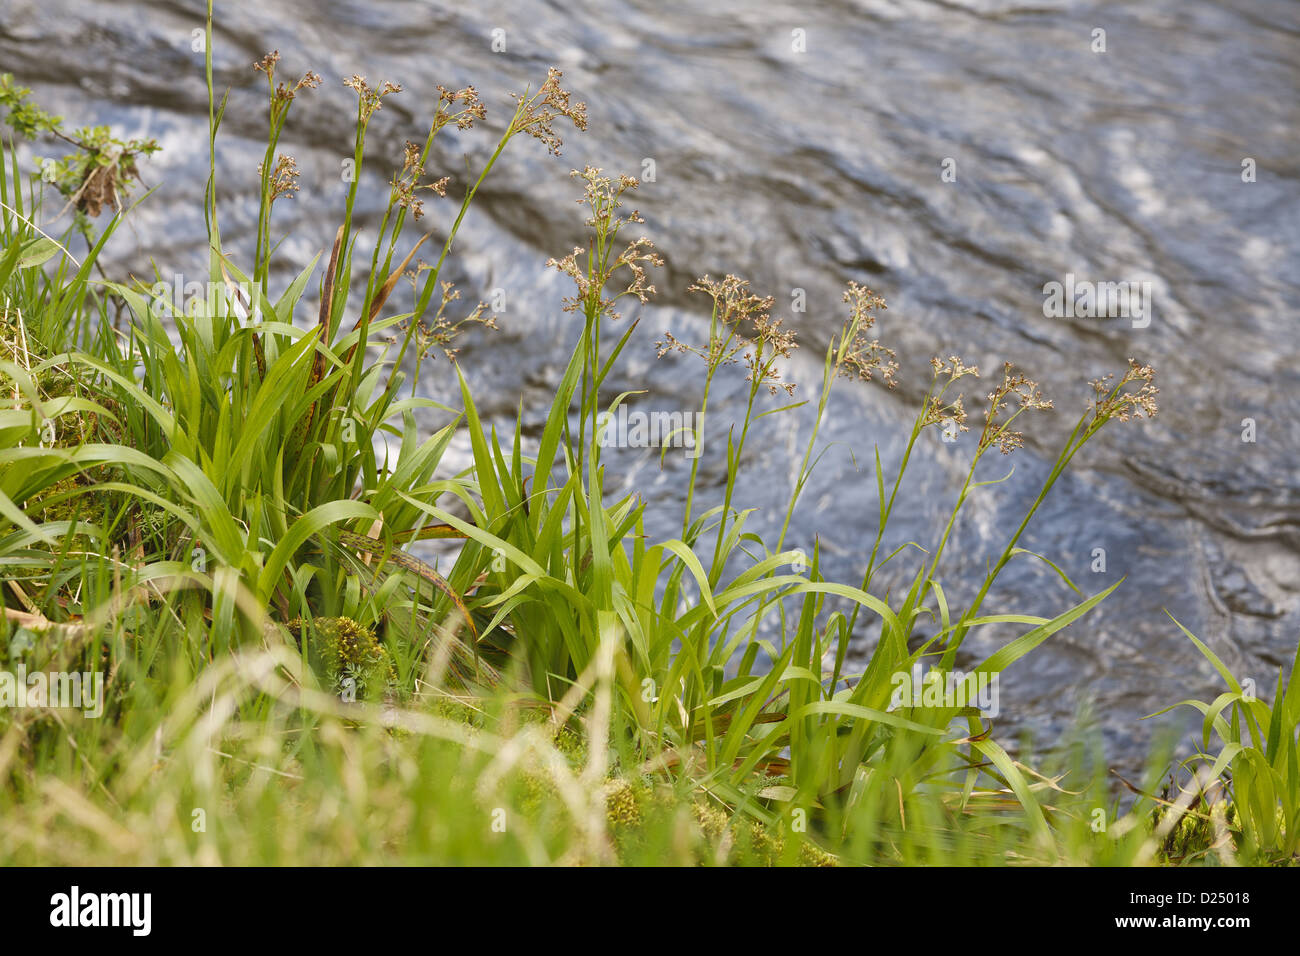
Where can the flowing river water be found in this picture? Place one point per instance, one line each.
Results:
(802, 146)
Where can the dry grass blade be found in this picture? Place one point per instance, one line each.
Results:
(323, 323)
(258, 353)
(359, 542)
(391, 282)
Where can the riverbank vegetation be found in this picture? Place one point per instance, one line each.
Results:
(211, 507)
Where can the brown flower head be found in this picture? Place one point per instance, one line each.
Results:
(604, 196)
(939, 409)
(284, 178)
(443, 329)
(733, 307)
(1014, 386)
(471, 108)
(406, 183)
(536, 114)
(369, 100)
(282, 94)
(1133, 397)
(857, 354)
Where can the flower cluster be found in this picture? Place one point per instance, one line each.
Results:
(1122, 402)
(733, 306)
(464, 118)
(604, 196)
(536, 114)
(938, 411)
(281, 94)
(443, 329)
(857, 354)
(998, 432)
(284, 178)
(733, 303)
(953, 367)
(369, 100)
(770, 344)
(407, 182)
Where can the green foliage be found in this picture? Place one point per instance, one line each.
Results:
(352, 662)
(27, 119)
(1251, 786)
(96, 174)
